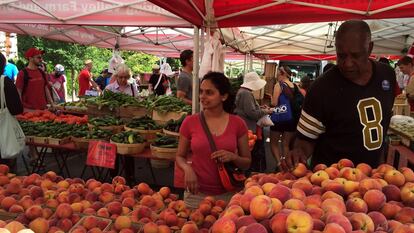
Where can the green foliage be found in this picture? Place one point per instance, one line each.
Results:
(139, 62)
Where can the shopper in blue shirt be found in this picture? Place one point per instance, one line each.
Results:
(11, 71)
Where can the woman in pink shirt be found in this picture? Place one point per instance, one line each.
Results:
(230, 136)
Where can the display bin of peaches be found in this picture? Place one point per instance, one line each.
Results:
(92, 222)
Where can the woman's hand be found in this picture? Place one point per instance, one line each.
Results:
(190, 179)
(223, 156)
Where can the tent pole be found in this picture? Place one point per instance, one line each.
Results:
(196, 82)
(245, 64)
(251, 62)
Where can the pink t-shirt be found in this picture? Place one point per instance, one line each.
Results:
(204, 167)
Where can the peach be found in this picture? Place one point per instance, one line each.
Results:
(407, 194)
(276, 205)
(319, 167)
(361, 221)
(300, 170)
(14, 226)
(383, 168)
(165, 192)
(34, 212)
(341, 220)
(122, 222)
(267, 187)
(353, 174)
(255, 190)
(390, 210)
(368, 184)
(333, 205)
(315, 212)
(162, 229)
(245, 201)
(4, 169)
(261, 207)
(294, 204)
(223, 225)
(392, 192)
(237, 210)
(77, 207)
(356, 205)
(345, 163)
(4, 180)
(351, 186)
(299, 222)
(205, 208)
(64, 210)
(221, 203)
(380, 221)
(65, 224)
(197, 217)
(394, 177)
(332, 172)
(305, 185)
(244, 221)
(404, 229)
(393, 225)
(90, 222)
(7, 202)
(375, 199)
(144, 188)
(16, 209)
(39, 225)
(190, 227)
(406, 215)
(103, 212)
(280, 192)
(255, 228)
(278, 222)
(312, 201)
(318, 177)
(333, 228)
(408, 174)
(26, 202)
(318, 225)
(106, 197)
(114, 207)
(334, 186)
(365, 168)
(330, 194)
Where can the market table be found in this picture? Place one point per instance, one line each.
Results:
(62, 150)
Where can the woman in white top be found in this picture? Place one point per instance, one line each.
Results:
(122, 76)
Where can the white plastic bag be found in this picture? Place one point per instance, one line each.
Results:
(12, 139)
(265, 121)
(115, 61)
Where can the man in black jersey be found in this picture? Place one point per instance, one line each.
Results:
(347, 110)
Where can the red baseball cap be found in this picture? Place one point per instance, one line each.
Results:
(33, 52)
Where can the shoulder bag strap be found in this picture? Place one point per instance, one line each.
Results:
(2, 95)
(132, 91)
(159, 80)
(207, 132)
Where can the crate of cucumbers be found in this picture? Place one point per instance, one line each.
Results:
(164, 146)
(107, 123)
(146, 127)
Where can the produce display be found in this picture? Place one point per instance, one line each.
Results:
(406, 128)
(165, 141)
(79, 104)
(112, 100)
(48, 129)
(143, 123)
(166, 103)
(46, 116)
(105, 121)
(127, 137)
(99, 134)
(174, 126)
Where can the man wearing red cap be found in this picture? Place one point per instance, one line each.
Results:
(31, 82)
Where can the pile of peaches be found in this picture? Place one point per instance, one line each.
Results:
(342, 198)
(51, 204)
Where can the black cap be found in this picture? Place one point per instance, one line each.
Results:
(104, 71)
(405, 61)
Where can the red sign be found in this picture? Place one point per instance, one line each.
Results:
(101, 154)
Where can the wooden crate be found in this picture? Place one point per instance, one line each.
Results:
(129, 149)
(171, 133)
(29, 138)
(148, 135)
(40, 140)
(81, 143)
(164, 153)
(114, 128)
(131, 112)
(163, 118)
(58, 141)
(93, 111)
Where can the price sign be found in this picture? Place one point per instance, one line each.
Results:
(101, 154)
